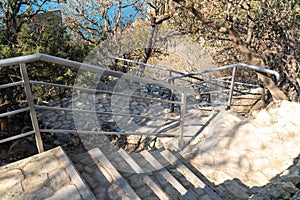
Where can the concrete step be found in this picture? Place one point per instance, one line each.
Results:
(189, 175)
(146, 179)
(167, 175)
(112, 175)
(144, 175)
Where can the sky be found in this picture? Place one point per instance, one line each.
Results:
(129, 10)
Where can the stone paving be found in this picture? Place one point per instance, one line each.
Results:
(234, 154)
(46, 176)
(235, 161)
(239, 154)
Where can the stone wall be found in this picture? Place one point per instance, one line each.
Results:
(284, 186)
(111, 103)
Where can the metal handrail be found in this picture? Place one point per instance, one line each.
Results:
(87, 67)
(256, 68)
(232, 82)
(101, 91)
(104, 113)
(22, 60)
(169, 70)
(141, 63)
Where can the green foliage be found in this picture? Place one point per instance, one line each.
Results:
(33, 36)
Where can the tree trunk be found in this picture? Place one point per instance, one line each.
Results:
(276, 93)
(252, 57)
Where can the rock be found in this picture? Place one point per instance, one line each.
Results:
(10, 178)
(42, 166)
(134, 103)
(89, 179)
(14, 192)
(66, 192)
(288, 187)
(151, 198)
(56, 124)
(101, 110)
(58, 178)
(295, 179)
(63, 138)
(236, 188)
(115, 193)
(276, 189)
(267, 193)
(136, 181)
(144, 191)
(56, 142)
(88, 169)
(75, 140)
(101, 192)
(34, 182)
(296, 196)
(133, 139)
(136, 112)
(42, 193)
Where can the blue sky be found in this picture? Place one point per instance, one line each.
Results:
(55, 6)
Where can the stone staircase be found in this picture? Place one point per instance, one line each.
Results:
(145, 175)
(158, 174)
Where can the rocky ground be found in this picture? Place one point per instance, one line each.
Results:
(256, 156)
(260, 152)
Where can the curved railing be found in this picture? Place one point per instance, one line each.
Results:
(232, 82)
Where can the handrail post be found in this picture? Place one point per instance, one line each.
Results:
(182, 116)
(231, 87)
(171, 81)
(32, 110)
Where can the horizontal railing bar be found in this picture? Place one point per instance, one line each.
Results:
(131, 67)
(103, 91)
(224, 81)
(256, 68)
(149, 65)
(105, 132)
(21, 59)
(214, 84)
(217, 79)
(87, 67)
(11, 84)
(222, 78)
(141, 70)
(104, 113)
(240, 83)
(141, 63)
(222, 86)
(14, 112)
(16, 137)
(214, 91)
(100, 70)
(182, 78)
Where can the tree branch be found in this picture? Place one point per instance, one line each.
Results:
(251, 57)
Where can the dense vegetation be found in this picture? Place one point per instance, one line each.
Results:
(24, 30)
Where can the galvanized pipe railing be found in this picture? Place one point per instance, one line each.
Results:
(234, 72)
(22, 60)
(165, 73)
